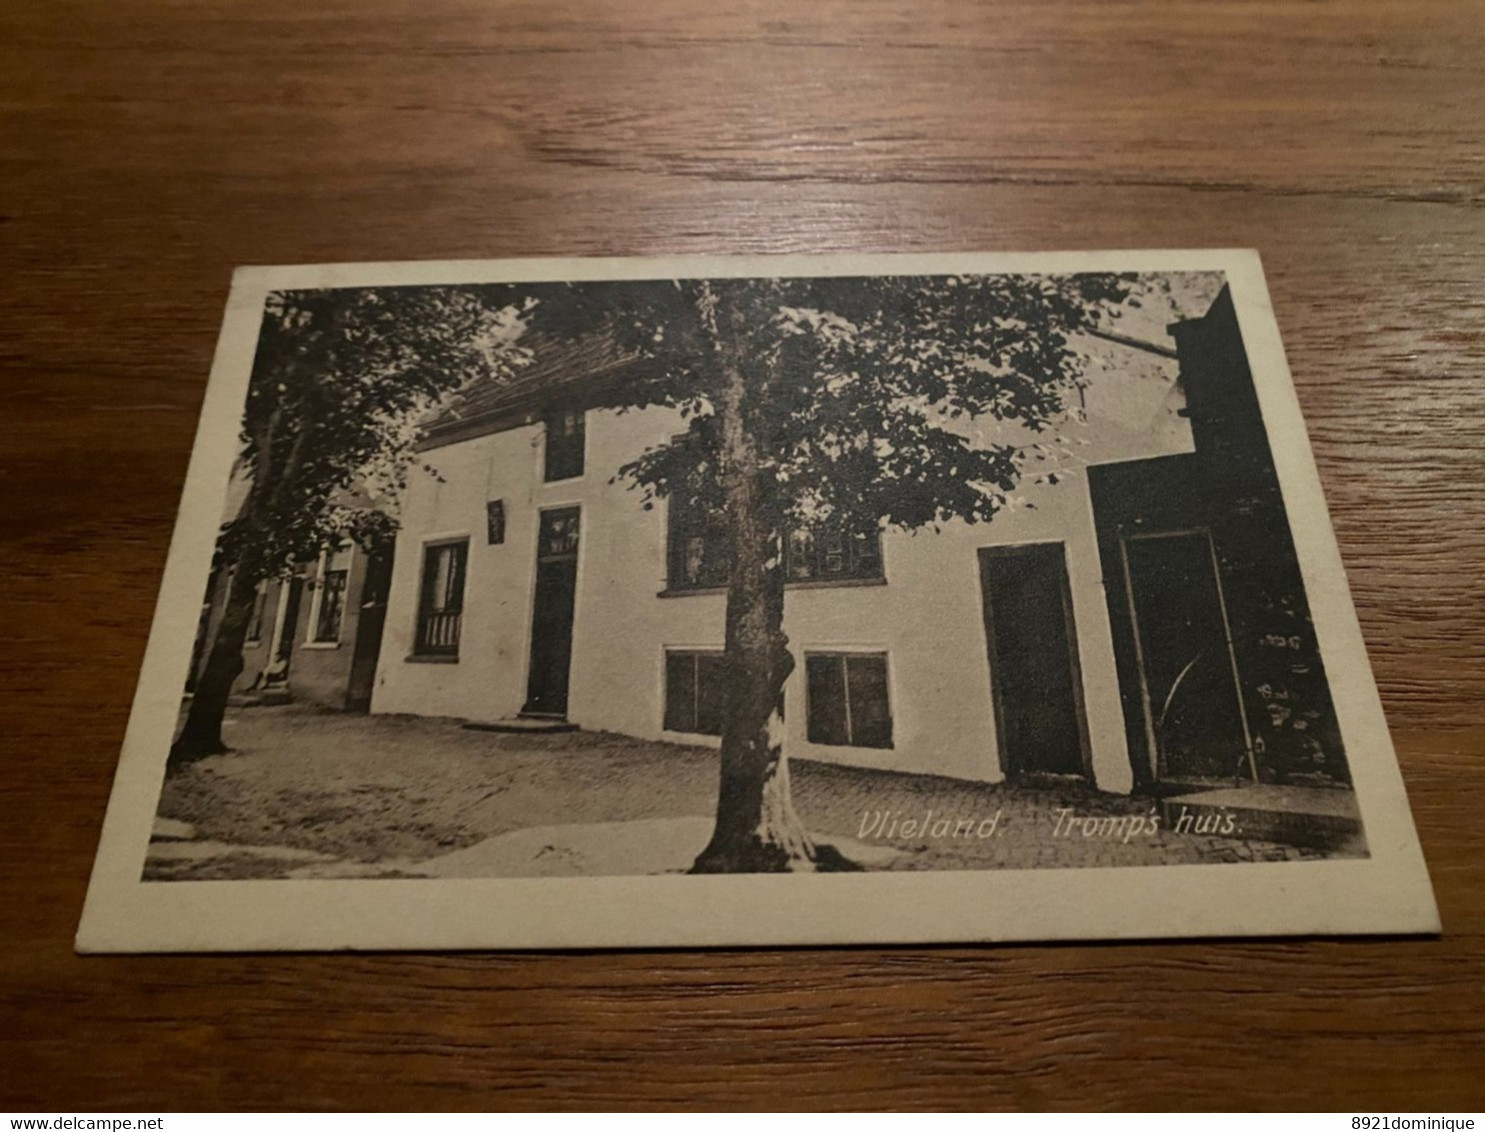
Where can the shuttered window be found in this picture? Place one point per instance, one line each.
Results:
(847, 699)
(694, 691)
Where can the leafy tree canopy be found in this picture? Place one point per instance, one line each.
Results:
(339, 380)
(863, 392)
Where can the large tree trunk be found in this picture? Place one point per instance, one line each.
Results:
(757, 829)
(202, 733)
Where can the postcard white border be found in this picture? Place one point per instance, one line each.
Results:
(1387, 893)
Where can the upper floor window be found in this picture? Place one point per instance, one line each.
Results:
(698, 552)
(566, 434)
(834, 554)
(441, 599)
(328, 612)
(698, 555)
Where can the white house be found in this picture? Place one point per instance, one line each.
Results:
(976, 652)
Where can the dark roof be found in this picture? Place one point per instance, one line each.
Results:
(564, 372)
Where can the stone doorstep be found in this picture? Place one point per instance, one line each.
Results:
(523, 725)
(272, 697)
(1307, 817)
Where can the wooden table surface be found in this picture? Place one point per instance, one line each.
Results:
(148, 147)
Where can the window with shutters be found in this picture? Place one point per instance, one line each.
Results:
(441, 599)
(694, 691)
(846, 699)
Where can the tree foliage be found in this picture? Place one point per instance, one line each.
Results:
(340, 378)
(912, 399)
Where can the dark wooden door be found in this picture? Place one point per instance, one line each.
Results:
(1193, 715)
(1034, 670)
(552, 612)
(370, 622)
(292, 595)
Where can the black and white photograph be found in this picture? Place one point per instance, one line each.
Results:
(730, 574)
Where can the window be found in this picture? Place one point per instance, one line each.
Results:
(557, 535)
(441, 599)
(327, 609)
(832, 554)
(694, 692)
(255, 622)
(566, 433)
(698, 552)
(846, 696)
(698, 549)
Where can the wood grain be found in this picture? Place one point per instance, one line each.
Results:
(146, 148)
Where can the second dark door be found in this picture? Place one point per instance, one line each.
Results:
(1034, 668)
(376, 584)
(291, 594)
(1188, 675)
(552, 612)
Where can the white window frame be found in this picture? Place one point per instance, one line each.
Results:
(326, 557)
(467, 538)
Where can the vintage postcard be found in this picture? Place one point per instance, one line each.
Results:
(795, 600)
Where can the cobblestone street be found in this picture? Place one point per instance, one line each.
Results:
(317, 794)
